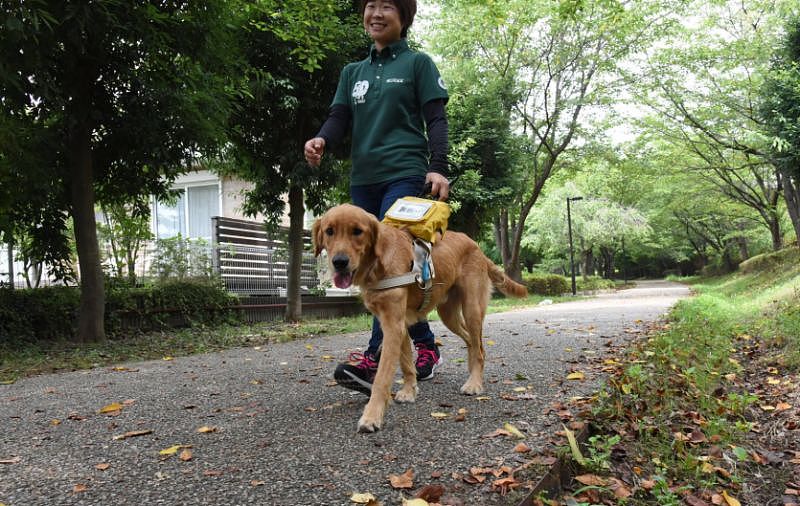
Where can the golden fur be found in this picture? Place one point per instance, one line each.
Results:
(363, 251)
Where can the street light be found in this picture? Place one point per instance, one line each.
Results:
(571, 255)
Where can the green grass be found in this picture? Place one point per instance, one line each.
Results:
(25, 359)
(689, 375)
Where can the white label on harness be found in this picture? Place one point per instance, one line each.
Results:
(405, 210)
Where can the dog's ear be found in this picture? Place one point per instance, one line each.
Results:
(378, 246)
(316, 237)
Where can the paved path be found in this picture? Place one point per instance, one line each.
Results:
(284, 435)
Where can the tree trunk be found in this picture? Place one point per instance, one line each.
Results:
(296, 212)
(11, 262)
(92, 306)
(791, 193)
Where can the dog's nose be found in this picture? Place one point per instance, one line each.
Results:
(340, 262)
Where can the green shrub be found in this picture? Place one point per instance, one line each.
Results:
(594, 283)
(546, 284)
(50, 314)
(38, 313)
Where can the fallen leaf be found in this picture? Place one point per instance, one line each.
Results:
(591, 479)
(80, 487)
(13, 460)
(167, 359)
(186, 455)
(731, 501)
(102, 467)
(113, 408)
(172, 450)
(439, 415)
(621, 491)
(782, 406)
(415, 502)
(362, 498)
(405, 480)
(206, 429)
(522, 448)
(212, 472)
(430, 493)
(513, 431)
(573, 445)
(257, 483)
(576, 376)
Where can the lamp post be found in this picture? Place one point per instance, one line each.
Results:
(571, 254)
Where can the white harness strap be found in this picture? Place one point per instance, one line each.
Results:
(422, 273)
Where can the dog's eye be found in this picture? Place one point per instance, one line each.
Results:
(357, 231)
(329, 231)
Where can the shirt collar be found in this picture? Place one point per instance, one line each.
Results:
(390, 51)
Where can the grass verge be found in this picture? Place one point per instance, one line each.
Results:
(704, 409)
(25, 359)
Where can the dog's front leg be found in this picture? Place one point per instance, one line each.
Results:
(394, 333)
(409, 391)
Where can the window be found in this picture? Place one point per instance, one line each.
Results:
(191, 215)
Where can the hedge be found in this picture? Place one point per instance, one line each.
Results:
(50, 313)
(546, 284)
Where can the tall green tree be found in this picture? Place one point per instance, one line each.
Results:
(562, 58)
(288, 98)
(121, 96)
(781, 112)
(704, 86)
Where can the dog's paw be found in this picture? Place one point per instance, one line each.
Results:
(369, 426)
(406, 395)
(471, 389)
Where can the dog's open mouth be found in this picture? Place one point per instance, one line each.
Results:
(343, 279)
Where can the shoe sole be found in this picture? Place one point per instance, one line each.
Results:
(433, 370)
(354, 383)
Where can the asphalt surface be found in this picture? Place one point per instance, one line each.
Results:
(282, 434)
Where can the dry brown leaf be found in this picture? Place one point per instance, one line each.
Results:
(405, 480)
(591, 479)
(80, 487)
(430, 493)
(206, 429)
(621, 491)
(13, 460)
(522, 448)
(102, 467)
(186, 455)
(212, 472)
(257, 483)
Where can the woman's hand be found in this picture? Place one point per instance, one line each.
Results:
(440, 186)
(314, 149)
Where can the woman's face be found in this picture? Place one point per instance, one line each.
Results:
(382, 22)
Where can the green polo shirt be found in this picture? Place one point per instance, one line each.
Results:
(385, 93)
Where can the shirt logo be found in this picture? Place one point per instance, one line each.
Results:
(360, 90)
(441, 83)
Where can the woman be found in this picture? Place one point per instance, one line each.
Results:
(389, 100)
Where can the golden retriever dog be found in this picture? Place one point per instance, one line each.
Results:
(362, 251)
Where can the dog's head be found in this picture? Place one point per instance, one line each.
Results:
(349, 235)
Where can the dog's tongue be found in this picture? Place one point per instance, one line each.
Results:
(342, 279)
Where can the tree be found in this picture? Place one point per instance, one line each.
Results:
(781, 112)
(704, 86)
(286, 102)
(124, 96)
(561, 57)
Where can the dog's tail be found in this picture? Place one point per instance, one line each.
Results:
(502, 282)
